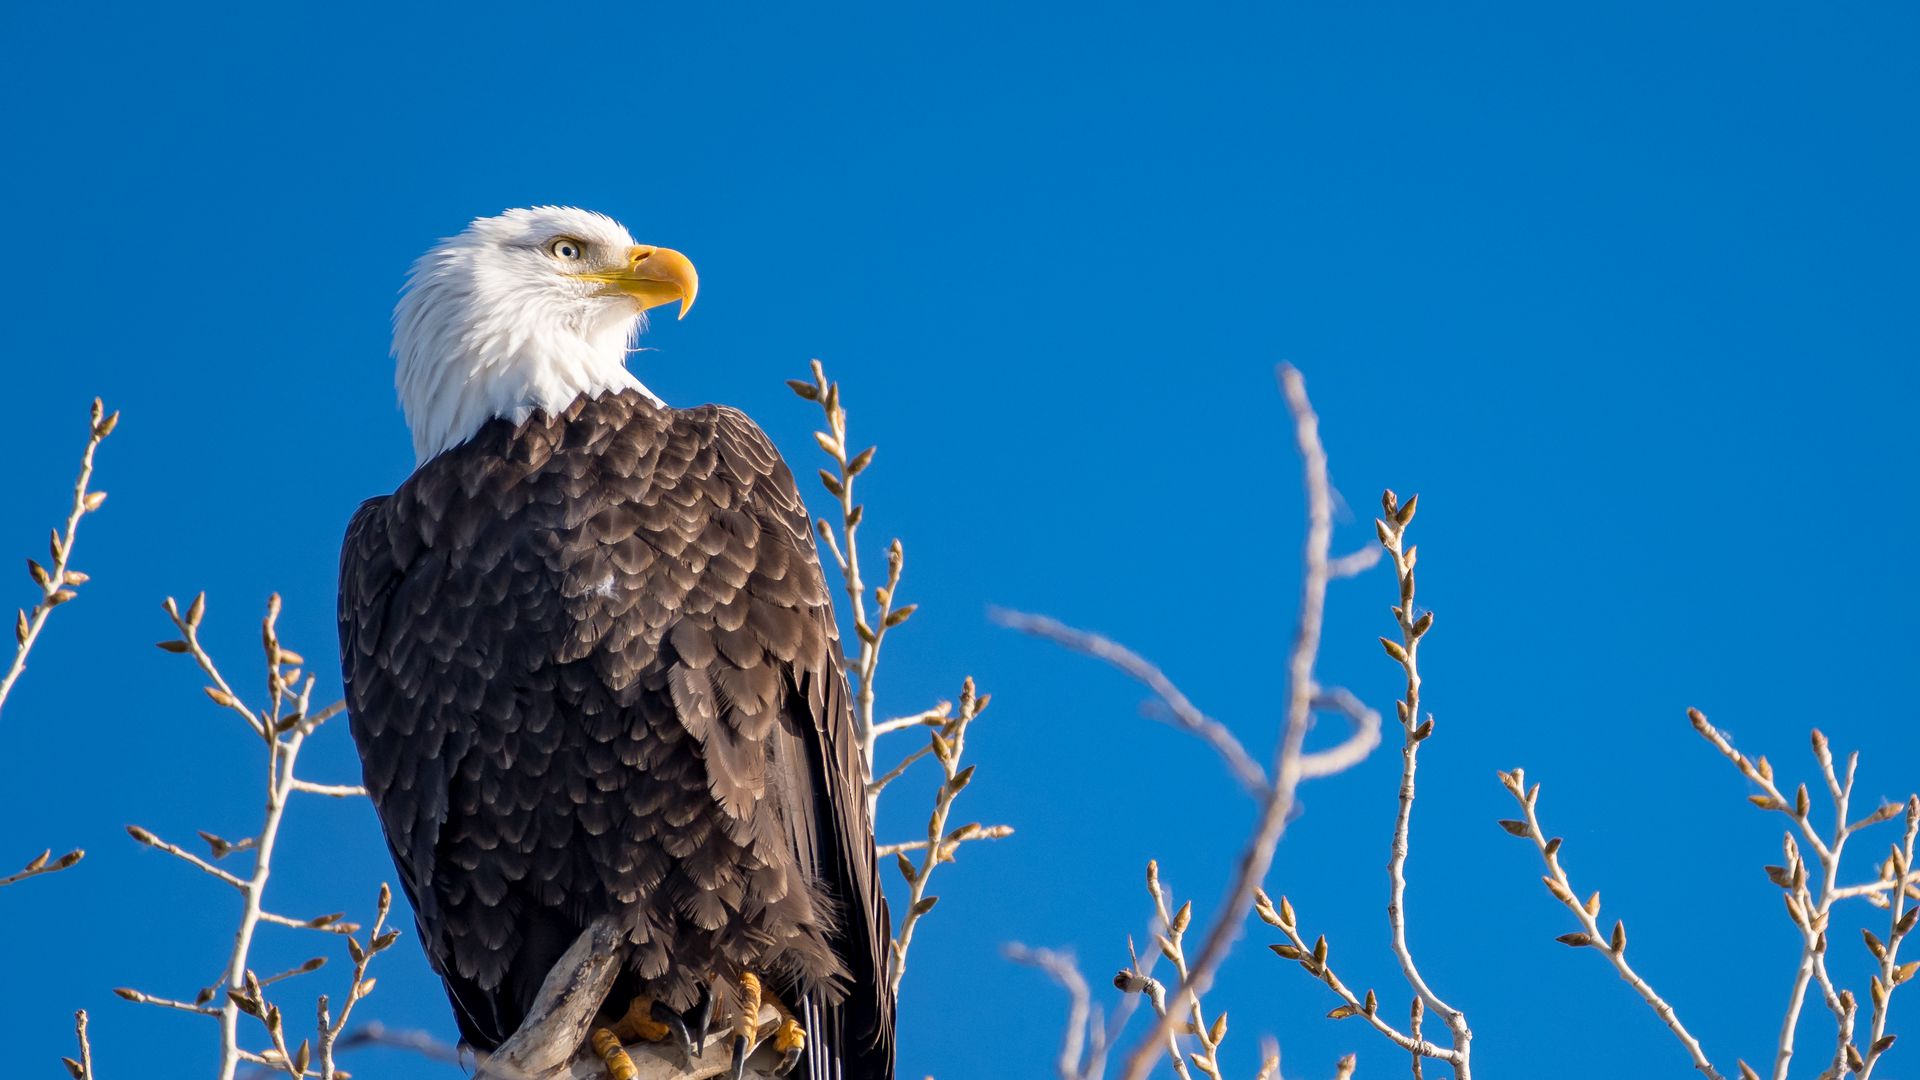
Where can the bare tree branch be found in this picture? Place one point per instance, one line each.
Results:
(556, 1027)
(1257, 855)
(947, 745)
(1614, 945)
(283, 725)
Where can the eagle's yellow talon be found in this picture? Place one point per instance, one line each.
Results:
(746, 1019)
(607, 1045)
(790, 1039)
(639, 1025)
(746, 1023)
(791, 1036)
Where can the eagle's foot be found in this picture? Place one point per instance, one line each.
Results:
(790, 1039)
(642, 1022)
(648, 1020)
(746, 1022)
(607, 1045)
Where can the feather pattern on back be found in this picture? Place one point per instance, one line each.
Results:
(591, 665)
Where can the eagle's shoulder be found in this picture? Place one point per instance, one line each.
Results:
(729, 427)
(366, 568)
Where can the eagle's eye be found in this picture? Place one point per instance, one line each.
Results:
(566, 248)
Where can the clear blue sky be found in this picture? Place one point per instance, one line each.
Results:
(1626, 294)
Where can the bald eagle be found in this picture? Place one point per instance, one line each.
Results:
(592, 669)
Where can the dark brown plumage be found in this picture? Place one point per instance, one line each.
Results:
(591, 666)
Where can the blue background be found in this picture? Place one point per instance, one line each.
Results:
(1626, 294)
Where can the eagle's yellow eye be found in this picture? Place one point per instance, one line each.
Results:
(565, 248)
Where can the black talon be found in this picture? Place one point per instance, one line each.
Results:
(677, 1025)
(787, 1062)
(739, 1057)
(700, 1017)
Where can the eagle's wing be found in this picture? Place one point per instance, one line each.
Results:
(832, 828)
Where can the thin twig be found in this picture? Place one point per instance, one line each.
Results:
(326, 924)
(1313, 959)
(933, 717)
(1892, 973)
(947, 745)
(1136, 980)
(43, 863)
(845, 549)
(1614, 945)
(142, 836)
(1171, 937)
(58, 583)
(379, 939)
(962, 835)
(332, 791)
(1872, 890)
(1062, 970)
(1391, 527)
(876, 787)
(80, 1068)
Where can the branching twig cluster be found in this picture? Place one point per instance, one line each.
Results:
(1809, 890)
(947, 744)
(283, 725)
(1180, 1010)
(946, 728)
(1292, 762)
(1414, 624)
(1171, 939)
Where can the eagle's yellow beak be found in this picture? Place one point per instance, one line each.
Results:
(653, 276)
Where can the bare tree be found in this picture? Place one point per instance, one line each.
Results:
(1182, 1029)
(1809, 891)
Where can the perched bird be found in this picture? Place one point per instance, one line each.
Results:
(592, 668)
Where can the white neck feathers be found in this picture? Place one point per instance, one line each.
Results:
(475, 337)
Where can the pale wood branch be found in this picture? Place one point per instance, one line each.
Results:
(557, 1026)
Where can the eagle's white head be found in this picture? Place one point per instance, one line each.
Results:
(524, 311)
